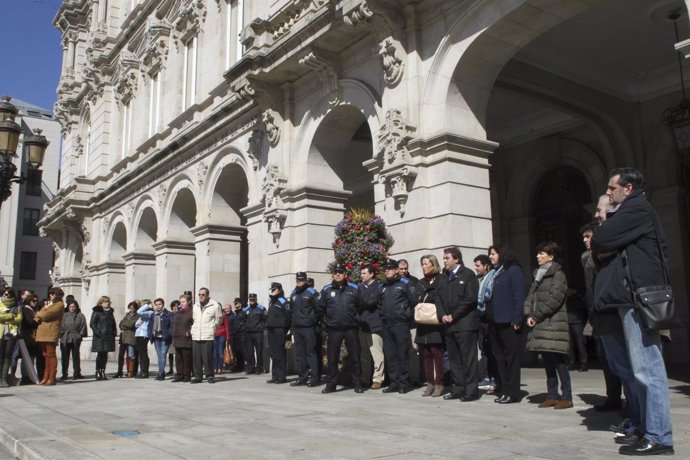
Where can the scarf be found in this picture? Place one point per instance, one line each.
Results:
(486, 289)
(541, 271)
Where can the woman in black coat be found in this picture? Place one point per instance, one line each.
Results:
(429, 338)
(104, 330)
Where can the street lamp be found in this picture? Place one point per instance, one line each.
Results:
(34, 144)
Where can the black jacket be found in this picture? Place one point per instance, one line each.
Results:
(279, 314)
(304, 303)
(457, 296)
(254, 318)
(339, 305)
(369, 315)
(428, 292)
(396, 301)
(631, 228)
(104, 329)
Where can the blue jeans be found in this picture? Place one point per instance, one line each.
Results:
(218, 350)
(617, 358)
(556, 367)
(647, 362)
(162, 352)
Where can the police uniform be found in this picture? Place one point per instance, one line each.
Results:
(277, 325)
(254, 322)
(396, 301)
(304, 304)
(339, 305)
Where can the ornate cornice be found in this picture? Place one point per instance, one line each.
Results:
(126, 79)
(154, 48)
(188, 20)
(327, 68)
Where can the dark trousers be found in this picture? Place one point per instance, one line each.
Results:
(556, 367)
(6, 349)
(236, 343)
(202, 358)
(101, 360)
(121, 354)
(613, 383)
(488, 359)
(335, 339)
(183, 363)
(305, 352)
(506, 344)
(65, 350)
(462, 357)
(578, 348)
(142, 348)
(396, 345)
(254, 343)
(432, 354)
(276, 348)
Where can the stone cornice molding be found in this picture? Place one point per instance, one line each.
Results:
(187, 20)
(153, 50)
(327, 67)
(126, 78)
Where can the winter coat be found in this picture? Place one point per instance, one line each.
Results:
(73, 327)
(166, 316)
(49, 319)
(396, 301)
(12, 317)
(127, 329)
(508, 297)
(457, 296)
(182, 328)
(253, 318)
(339, 305)
(206, 320)
(429, 334)
(631, 228)
(279, 314)
(303, 303)
(545, 303)
(369, 315)
(223, 329)
(104, 329)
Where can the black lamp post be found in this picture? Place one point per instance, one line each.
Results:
(34, 144)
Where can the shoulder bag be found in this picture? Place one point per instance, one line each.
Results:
(425, 313)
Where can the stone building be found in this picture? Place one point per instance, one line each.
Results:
(26, 260)
(217, 142)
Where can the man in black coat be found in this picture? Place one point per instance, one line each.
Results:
(396, 302)
(304, 302)
(254, 322)
(339, 305)
(634, 236)
(457, 311)
(370, 338)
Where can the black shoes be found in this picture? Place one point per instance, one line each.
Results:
(160, 377)
(313, 383)
(298, 383)
(328, 389)
(628, 439)
(279, 381)
(391, 389)
(271, 380)
(450, 396)
(143, 375)
(404, 389)
(507, 400)
(468, 398)
(211, 380)
(177, 379)
(609, 406)
(359, 390)
(645, 447)
(195, 381)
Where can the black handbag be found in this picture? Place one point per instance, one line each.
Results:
(654, 304)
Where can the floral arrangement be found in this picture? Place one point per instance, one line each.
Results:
(361, 238)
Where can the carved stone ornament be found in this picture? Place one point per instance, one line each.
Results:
(85, 273)
(78, 146)
(190, 16)
(86, 235)
(272, 130)
(393, 138)
(326, 69)
(254, 147)
(154, 48)
(201, 173)
(161, 191)
(274, 209)
(392, 62)
(398, 183)
(129, 211)
(126, 81)
(360, 14)
(106, 224)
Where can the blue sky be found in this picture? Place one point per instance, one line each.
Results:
(31, 52)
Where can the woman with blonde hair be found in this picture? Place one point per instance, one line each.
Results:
(104, 330)
(429, 337)
(49, 319)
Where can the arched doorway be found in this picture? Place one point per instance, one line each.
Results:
(114, 269)
(140, 264)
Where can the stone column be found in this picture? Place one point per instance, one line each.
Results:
(140, 276)
(175, 262)
(219, 260)
(109, 280)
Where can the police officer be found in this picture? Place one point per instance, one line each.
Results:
(236, 322)
(304, 303)
(396, 301)
(255, 320)
(277, 325)
(339, 304)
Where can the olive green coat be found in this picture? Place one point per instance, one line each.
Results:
(545, 303)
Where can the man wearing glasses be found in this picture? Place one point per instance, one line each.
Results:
(207, 315)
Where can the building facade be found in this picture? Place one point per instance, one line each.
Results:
(26, 259)
(217, 142)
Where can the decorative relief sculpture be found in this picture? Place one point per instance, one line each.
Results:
(272, 130)
(188, 20)
(274, 209)
(254, 147)
(154, 47)
(392, 63)
(161, 191)
(201, 172)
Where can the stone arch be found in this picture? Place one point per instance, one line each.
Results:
(116, 242)
(228, 188)
(472, 54)
(145, 228)
(180, 209)
(354, 94)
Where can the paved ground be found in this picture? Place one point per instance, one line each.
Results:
(243, 417)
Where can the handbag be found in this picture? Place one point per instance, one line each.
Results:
(228, 356)
(654, 304)
(425, 313)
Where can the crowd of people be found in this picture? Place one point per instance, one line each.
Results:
(369, 328)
